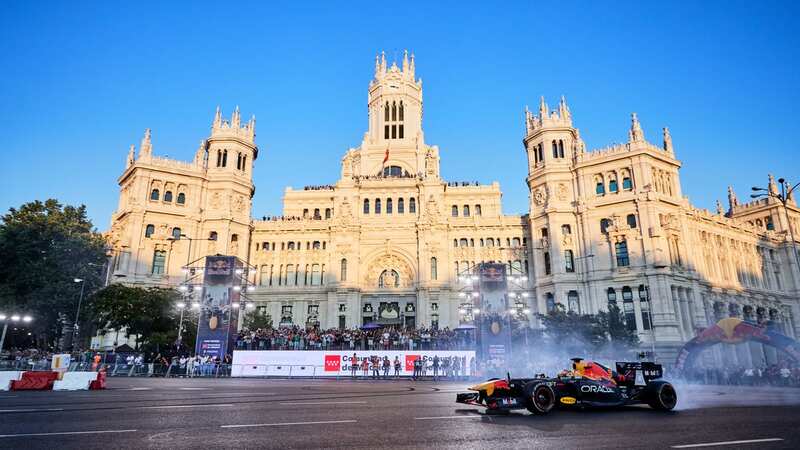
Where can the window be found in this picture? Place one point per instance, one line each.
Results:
(550, 302)
(224, 158)
(389, 278)
(455, 242)
(612, 185)
(569, 261)
(316, 213)
(377, 206)
(463, 242)
(541, 152)
(244, 163)
(401, 206)
(490, 242)
(547, 268)
(388, 206)
(290, 246)
(454, 211)
(168, 196)
(644, 305)
(159, 257)
(181, 198)
(770, 224)
(515, 242)
(386, 130)
(149, 230)
(234, 240)
(555, 150)
(154, 194)
(291, 275)
(600, 188)
(611, 294)
(466, 210)
(544, 232)
(327, 213)
(631, 219)
(434, 269)
(316, 245)
(239, 161)
(573, 303)
(566, 230)
(604, 224)
(622, 253)
(627, 184)
(560, 148)
(393, 171)
(477, 210)
(412, 205)
(316, 280)
(212, 236)
(366, 206)
(219, 158)
(176, 233)
(627, 308)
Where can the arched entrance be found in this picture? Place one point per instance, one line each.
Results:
(733, 331)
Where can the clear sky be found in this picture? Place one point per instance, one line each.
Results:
(82, 80)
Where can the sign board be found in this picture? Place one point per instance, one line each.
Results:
(217, 323)
(494, 325)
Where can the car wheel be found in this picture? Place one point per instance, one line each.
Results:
(662, 395)
(541, 397)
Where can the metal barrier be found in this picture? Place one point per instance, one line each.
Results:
(277, 370)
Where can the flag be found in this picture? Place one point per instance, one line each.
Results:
(386, 157)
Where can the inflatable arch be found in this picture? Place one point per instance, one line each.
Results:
(732, 331)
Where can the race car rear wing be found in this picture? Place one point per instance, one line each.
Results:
(639, 373)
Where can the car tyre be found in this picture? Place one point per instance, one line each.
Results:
(541, 397)
(661, 395)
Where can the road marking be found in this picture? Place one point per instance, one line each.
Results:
(194, 389)
(322, 403)
(714, 444)
(139, 389)
(65, 432)
(322, 422)
(447, 417)
(30, 410)
(211, 405)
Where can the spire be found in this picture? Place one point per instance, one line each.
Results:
(146, 148)
(236, 118)
(405, 61)
(251, 125)
(668, 141)
(131, 156)
(635, 134)
(411, 67)
(199, 155)
(543, 111)
(732, 200)
(377, 65)
(720, 210)
(773, 187)
(383, 62)
(217, 118)
(563, 109)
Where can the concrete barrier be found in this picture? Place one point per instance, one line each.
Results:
(6, 377)
(75, 381)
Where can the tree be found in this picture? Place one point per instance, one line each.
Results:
(572, 333)
(149, 313)
(45, 246)
(621, 336)
(256, 319)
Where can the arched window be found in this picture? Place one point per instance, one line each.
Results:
(168, 196)
(366, 206)
(316, 213)
(454, 211)
(466, 210)
(604, 224)
(555, 150)
(343, 270)
(327, 213)
(560, 148)
(412, 205)
(490, 242)
(631, 219)
(434, 269)
(515, 242)
(573, 303)
(386, 112)
(547, 268)
(401, 110)
(612, 185)
(621, 249)
(388, 279)
(569, 261)
(394, 111)
(566, 230)
(239, 161)
(377, 206)
(478, 211)
(644, 305)
(212, 236)
(388, 206)
(149, 230)
(154, 194)
(176, 233)
(290, 246)
(455, 242)
(219, 158)
(244, 163)
(611, 294)
(316, 245)
(599, 188)
(401, 206)
(181, 198)
(627, 184)
(541, 152)
(472, 242)
(393, 171)
(225, 158)
(550, 302)
(463, 242)
(628, 309)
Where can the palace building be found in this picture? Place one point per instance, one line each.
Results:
(387, 240)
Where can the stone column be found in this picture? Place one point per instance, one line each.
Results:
(676, 308)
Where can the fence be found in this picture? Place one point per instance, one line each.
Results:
(356, 344)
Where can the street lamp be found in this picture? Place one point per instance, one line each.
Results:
(181, 306)
(783, 197)
(14, 318)
(82, 281)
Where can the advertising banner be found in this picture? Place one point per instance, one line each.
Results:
(320, 363)
(494, 326)
(217, 321)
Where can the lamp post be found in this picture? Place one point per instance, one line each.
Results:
(181, 306)
(82, 281)
(12, 318)
(783, 197)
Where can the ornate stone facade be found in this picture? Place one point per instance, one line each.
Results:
(391, 235)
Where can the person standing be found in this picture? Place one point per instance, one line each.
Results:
(376, 368)
(435, 367)
(386, 365)
(365, 367)
(416, 369)
(397, 367)
(353, 365)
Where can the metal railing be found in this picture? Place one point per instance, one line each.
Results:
(360, 344)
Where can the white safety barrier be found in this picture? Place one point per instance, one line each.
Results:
(75, 381)
(7, 376)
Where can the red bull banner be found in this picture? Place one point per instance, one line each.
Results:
(217, 319)
(493, 322)
(319, 363)
(733, 331)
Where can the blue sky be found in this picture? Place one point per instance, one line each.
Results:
(81, 81)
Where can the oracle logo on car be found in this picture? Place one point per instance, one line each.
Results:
(410, 362)
(332, 363)
(603, 389)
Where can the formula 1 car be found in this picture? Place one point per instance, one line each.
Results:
(588, 384)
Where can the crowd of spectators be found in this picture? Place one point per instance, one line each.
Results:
(319, 187)
(462, 183)
(781, 374)
(386, 338)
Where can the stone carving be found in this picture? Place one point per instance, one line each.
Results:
(431, 168)
(388, 263)
(561, 192)
(539, 196)
(216, 200)
(238, 203)
(345, 212)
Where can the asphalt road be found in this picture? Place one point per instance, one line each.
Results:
(257, 413)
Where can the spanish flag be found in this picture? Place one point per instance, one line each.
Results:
(386, 156)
